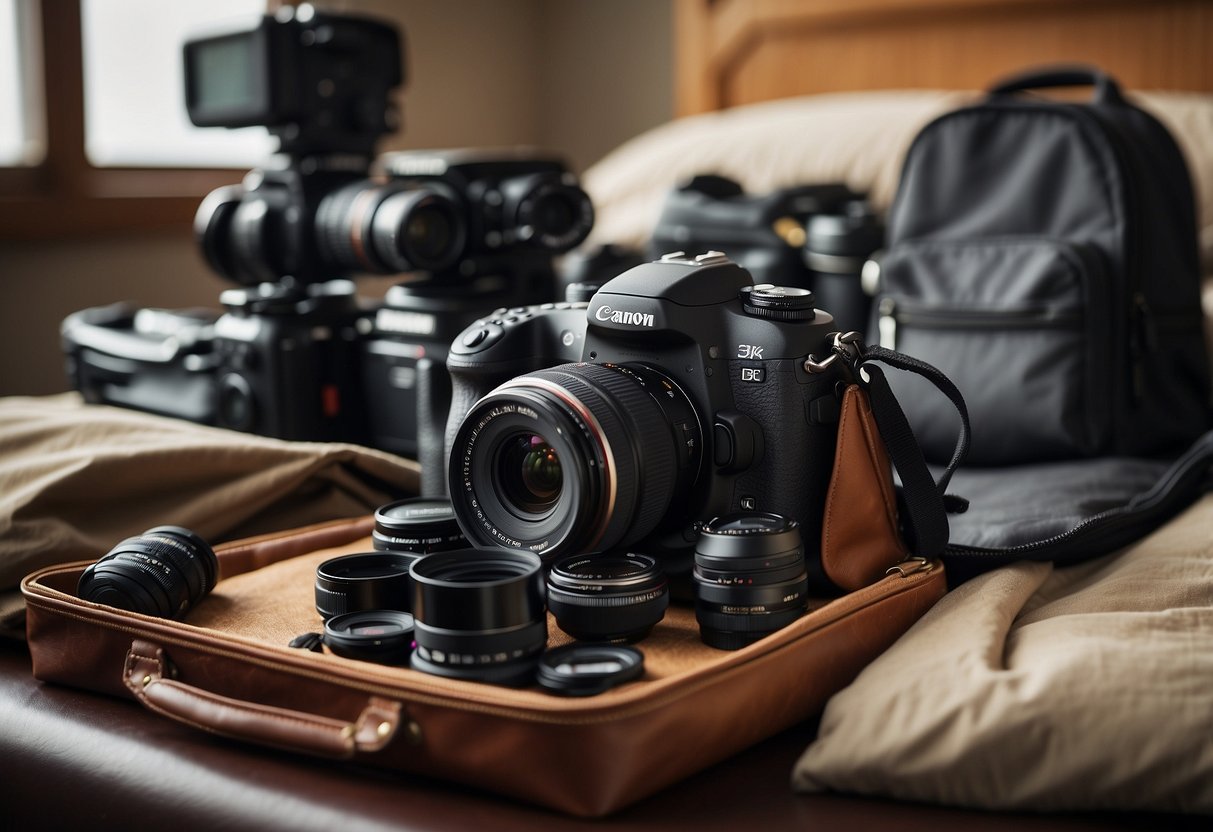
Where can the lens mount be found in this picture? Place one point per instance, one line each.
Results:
(576, 458)
(479, 615)
(612, 597)
(380, 636)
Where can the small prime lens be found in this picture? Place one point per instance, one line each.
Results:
(380, 636)
(363, 581)
(750, 578)
(163, 572)
(417, 526)
(479, 615)
(611, 597)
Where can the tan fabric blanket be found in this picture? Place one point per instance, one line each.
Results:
(1089, 687)
(75, 479)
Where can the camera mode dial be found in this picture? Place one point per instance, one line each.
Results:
(780, 303)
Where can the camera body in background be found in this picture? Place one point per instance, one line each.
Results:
(295, 355)
(514, 211)
(811, 236)
(680, 392)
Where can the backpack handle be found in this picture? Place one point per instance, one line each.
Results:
(1107, 91)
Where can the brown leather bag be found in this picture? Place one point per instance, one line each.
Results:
(229, 671)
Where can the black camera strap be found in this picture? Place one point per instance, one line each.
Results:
(925, 502)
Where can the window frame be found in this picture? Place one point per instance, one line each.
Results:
(64, 195)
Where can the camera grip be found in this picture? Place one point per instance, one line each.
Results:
(433, 406)
(148, 675)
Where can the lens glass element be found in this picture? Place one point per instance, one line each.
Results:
(529, 474)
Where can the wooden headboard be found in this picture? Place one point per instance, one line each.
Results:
(731, 52)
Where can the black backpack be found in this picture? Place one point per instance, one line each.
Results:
(1043, 255)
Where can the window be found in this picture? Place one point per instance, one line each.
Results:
(133, 85)
(20, 102)
(93, 134)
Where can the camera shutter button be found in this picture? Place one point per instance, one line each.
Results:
(475, 338)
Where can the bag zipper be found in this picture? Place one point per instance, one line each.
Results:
(1118, 526)
(893, 313)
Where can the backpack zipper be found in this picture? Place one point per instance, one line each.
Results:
(893, 313)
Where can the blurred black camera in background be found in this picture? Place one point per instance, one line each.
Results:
(815, 237)
(295, 355)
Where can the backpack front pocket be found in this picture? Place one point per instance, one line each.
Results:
(1021, 325)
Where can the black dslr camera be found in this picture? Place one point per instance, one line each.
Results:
(813, 236)
(683, 391)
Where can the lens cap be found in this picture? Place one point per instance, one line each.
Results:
(588, 669)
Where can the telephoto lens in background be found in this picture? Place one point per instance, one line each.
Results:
(749, 577)
(479, 615)
(163, 572)
(611, 597)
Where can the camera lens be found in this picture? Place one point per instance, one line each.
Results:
(576, 458)
(418, 526)
(163, 572)
(380, 636)
(365, 581)
(387, 228)
(547, 211)
(613, 597)
(749, 578)
(479, 615)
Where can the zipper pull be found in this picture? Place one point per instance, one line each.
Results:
(888, 323)
(911, 566)
(1143, 340)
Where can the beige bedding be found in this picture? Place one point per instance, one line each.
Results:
(1089, 687)
(75, 479)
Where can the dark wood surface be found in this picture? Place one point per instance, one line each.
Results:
(75, 760)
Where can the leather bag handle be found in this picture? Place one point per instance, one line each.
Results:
(1107, 91)
(148, 675)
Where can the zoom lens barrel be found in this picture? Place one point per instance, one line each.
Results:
(576, 458)
(479, 615)
(163, 572)
(749, 576)
(612, 597)
(389, 228)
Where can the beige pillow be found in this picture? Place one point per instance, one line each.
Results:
(1030, 687)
